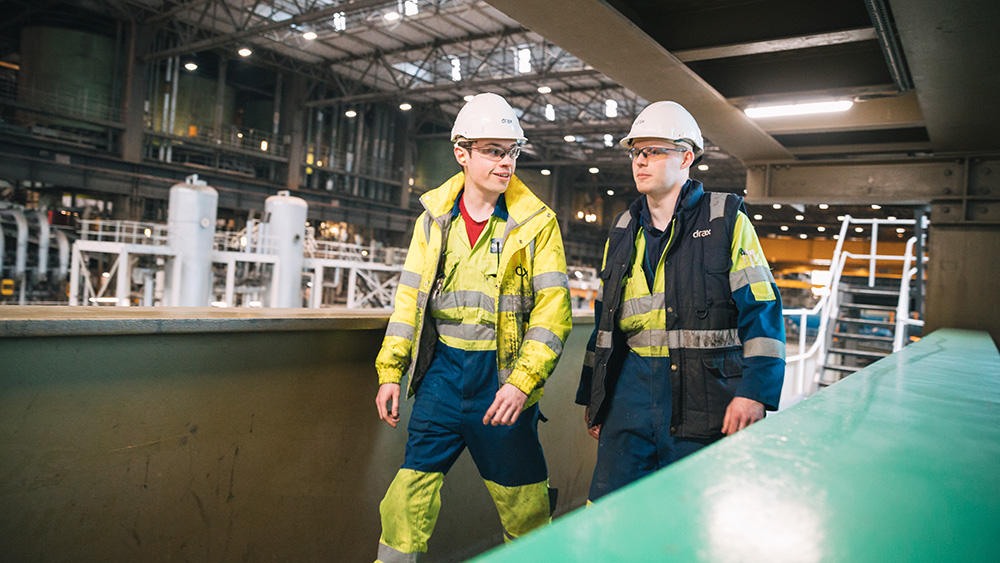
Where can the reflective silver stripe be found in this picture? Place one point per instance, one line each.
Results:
(514, 303)
(401, 330)
(600, 292)
(422, 299)
(387, 554)
(717, 206)
(550, 279)
(588, 359)
(546, 337)
(747, 276)
(632, 307)
(764, 347)
(453, 299)
(644, 304)
(464, 331)
(624, 220)
(428, 220)
(685, 338)
(604, 339)
(409, 279)
(531, 249)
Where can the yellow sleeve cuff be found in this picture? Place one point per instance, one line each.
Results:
(389, 377)
(523, 381)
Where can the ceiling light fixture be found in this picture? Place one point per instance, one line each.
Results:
(351, 113)
(703, 167)
(776, 206)
(784, 227)
(391, 16)
(798, 109)
(405, 106)
(544, 89)
(824, 206)
(594, 170)
(876, 206)
(191, 66)
(245, 52)
(799, 217)
(758, 217)
(545, 172)
(569, 138)
(611, 192)
(309, 35)
(468, 98)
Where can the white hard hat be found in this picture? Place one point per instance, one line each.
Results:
(487, 116)
(666, 120)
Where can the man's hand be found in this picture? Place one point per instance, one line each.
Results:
(594, 431)
(388, 398)
(740, 413)
(506, 406)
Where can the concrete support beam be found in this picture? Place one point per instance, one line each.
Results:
(134, 95)
(960, 190)
(625, 54)
(293, 125)
(962, 288)
(851, 182)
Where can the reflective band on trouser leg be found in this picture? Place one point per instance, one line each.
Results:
(521, 508)
(409, 512)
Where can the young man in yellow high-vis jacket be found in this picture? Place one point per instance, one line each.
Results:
(482, 312)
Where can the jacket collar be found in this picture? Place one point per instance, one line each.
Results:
(691, 193)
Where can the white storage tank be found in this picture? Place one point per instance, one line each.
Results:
(286, 220)
(191, 233)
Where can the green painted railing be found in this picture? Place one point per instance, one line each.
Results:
(898, 462)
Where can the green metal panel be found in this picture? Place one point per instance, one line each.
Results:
(897, 462)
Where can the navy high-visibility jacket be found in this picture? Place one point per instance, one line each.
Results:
(714, 310)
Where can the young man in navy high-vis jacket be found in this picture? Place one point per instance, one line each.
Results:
(689, 342)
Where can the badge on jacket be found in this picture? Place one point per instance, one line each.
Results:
(495, 246)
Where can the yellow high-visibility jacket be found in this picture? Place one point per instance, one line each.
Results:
(531, 296)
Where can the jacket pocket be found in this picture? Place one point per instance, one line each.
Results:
(723, 372)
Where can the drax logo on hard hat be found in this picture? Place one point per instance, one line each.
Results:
(487, 116)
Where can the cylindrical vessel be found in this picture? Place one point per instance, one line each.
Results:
(286, 218)
(191, 230)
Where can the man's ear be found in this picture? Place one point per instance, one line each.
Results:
(461, 156)
(689, 160)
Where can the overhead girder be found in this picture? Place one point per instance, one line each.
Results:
(961, 189)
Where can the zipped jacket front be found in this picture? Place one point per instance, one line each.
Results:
(719, 315)
(530, 296)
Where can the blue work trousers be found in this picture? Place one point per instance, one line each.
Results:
(448, 414)
(635, 436)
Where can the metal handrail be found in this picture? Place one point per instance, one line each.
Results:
(828, 306)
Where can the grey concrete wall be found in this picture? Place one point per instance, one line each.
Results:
(962, 279)
(233, 445)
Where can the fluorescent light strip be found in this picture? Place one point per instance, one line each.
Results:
(798, 109)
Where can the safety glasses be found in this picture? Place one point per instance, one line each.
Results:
(495, 154)
(650, 152)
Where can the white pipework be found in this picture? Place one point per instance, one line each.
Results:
(191, 232)
(44, 233)
(63, 242)
(286, 231)
(21, 256)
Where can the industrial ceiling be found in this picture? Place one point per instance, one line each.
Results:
(923, 74)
